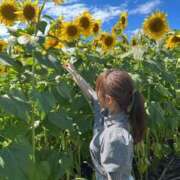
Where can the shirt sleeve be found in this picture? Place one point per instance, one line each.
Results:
(116, 149)
(98, 118)
(91, 97)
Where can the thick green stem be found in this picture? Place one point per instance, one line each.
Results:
(39, 16)
(33, 109)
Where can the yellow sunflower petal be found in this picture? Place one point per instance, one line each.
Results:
(2, 45)
(52, 42)
(57, 2)
(8, 9)
(56, 27)
(70, 31)
(29, 11)
(155, 26)
(85, 23)
(173, 41)
(108, 41)
(96, 27)
(3, 69)
(123, 20)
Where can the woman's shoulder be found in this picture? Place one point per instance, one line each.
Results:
(119, 134)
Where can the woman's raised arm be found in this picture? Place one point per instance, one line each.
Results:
(87, 90)
(90, 95)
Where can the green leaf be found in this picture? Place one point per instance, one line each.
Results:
(60, 162)
(64, 90)
(152, 66)
(45, 99)
(42, 26)
(15, 105)
(163, 91)
(16, 160)
(40, 171)
(48, 61)
(7, 60)
(156, 114)
(60, 120)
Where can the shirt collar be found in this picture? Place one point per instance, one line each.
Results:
(119, 119)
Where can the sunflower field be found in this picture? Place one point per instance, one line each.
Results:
(45, 121)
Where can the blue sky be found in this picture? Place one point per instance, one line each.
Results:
(108, 11)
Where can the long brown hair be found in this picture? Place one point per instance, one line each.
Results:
(119, 85)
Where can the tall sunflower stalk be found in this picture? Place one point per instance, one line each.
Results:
(33, 88)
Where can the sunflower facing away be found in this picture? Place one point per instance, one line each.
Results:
(85, 22)
(173, 41)
(123, 20)
(155, 26)
(96, 27)
(52, 42)
(29, 11)
(107, 41)
(121, 24)
(2, 45)
(8, 10)
(134, 41)
(56, 27)
(70, 31)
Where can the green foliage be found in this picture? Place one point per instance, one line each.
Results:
(46, 123)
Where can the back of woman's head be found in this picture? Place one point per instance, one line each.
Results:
(119, 85)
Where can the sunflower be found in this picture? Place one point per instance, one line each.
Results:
(95, 43)
(155, 26)
(123, 20)
(70, 31)
(8, 10)
(3, 69)
(29, 11)
(133, 41)
(56, 27)
(57, 2)
(107, 41)
(52, 42)
(2, 45)
(173, 41)
(85, 22)
(96, 27)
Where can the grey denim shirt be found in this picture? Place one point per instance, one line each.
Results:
(111, 147)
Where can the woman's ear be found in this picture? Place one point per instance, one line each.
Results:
(108, 100)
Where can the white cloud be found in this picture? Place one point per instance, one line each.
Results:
(3, 31)
(145, 8)
(70, 11)
(108, 13)
(133, 32)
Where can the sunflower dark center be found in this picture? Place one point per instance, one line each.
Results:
(72, 30)
(8, 12)
(96, 28)
(85, 23)
(134, 42)
(1, 47)
(123, 20)
(176, 39)
(108, 41)
(156, 25)
(29, 12)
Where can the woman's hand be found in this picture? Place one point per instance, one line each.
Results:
(69, 67)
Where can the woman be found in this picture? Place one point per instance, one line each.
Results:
(119, 122)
